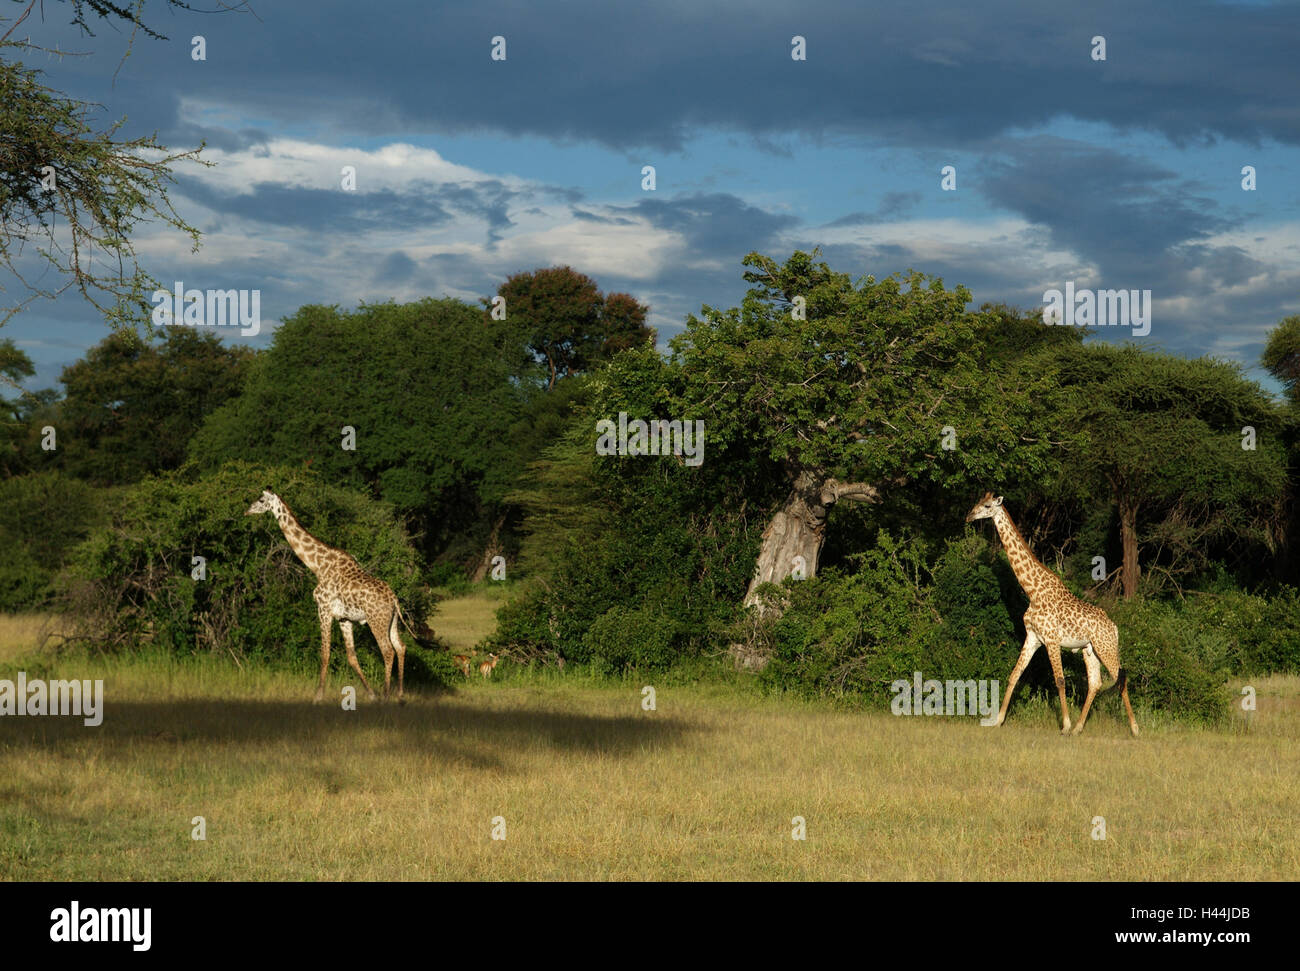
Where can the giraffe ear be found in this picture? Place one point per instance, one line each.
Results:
(998, 501)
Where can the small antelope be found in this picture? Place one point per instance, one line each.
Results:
(462, 661)
(486, 667)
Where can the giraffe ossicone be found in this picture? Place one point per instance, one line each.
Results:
(344, 592)
(1055, 619)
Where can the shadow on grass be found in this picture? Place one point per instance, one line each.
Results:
(441, 728)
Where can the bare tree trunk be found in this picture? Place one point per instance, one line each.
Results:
(493, 549)
(792, 542)
(1128, 510)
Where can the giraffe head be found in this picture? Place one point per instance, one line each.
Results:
(268, 501)
(986, 508)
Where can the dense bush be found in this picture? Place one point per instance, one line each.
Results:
(644, 542)
(667, 577)
(852, 635)
(634, 638)
(855, 634)
(1172, 662)
(1261, 635)
(131, 582)
(42, 516)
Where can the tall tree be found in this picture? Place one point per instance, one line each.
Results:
(14, 366)
(131, 406)
(1188, 450)
(847, 391)
(431, 396)
(570, 325)
(1281, 356)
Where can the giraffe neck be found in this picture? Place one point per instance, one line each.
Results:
(1032, 575)
(306, 546)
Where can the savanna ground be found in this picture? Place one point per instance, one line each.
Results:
(593, 787)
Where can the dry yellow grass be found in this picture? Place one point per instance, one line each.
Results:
(463, 621)
(23, 633)
(592, 787)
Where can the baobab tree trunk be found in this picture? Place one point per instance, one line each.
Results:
(1131, 571)
(792, 542)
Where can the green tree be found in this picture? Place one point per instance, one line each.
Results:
(571, 325)
(433, 395)
(849, 391)
(131, 406)
(58, 168)
(1281, 356)
(1188, 450)
(14, 366)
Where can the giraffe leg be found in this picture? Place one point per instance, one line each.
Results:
(1026, 653)
(1111, 659)
(385, 648)
(1054, 655)
(1132, 722)
(326, 623)
(400, 648)
(1094, 682)
(346, 626)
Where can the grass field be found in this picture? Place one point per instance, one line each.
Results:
(591, 786)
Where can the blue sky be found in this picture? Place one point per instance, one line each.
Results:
(1123, 173)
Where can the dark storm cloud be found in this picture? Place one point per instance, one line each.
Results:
(488, 200)
(320, 210)
(714, 224)
(396, 268)
(591, 217)
(1132, 218)
(892, 206)
(635, 76)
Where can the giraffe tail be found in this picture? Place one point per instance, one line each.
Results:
(1121, 679)
(428, 631)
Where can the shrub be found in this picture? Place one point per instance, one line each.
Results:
(131, 582)
(1172, 663)
(671, 539)
(853, 635)
(981, 605)
(625, 639)
(1261, 634)
(42, 516)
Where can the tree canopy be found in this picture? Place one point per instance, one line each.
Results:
(131, 406)
(72, 193)
(432, 392)
(570, 325)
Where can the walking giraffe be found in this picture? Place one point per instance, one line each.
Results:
(344, 592)
(1056, 618)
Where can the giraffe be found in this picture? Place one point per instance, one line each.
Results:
(344, 592)
(1056, 619)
